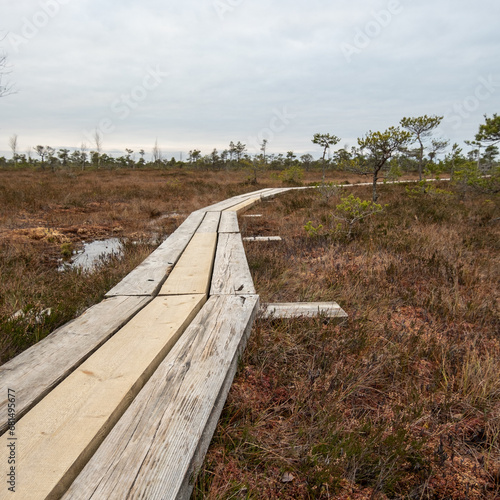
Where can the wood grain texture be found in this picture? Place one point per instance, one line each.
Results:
(224, 205)
(230, 202)
(210, 223)
(304, 309)
(193, 271)
(229, 222)
(245, 205)
(231, 274)
(36, 371)
(153, 450)
(147, 278)
(62, 432)
(273, 192)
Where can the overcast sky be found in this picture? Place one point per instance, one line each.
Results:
(201, 73)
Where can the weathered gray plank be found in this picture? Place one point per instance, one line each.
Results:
(147, 278)
(210, 223)
(60, 434)
(229, 223)
(273, 192)
(231, 274)
(245, 205)
(262, 238)
(161, 439)
(36, 371)
(225, 204)
(230, 202)
(304, 309)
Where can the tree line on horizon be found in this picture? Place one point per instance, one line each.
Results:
(412, 146)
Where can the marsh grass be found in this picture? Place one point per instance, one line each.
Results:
(45, 216)
(32, 284)
(402, 400)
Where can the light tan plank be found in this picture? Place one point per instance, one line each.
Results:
(224, 205)
(192, 273)
(147, 278)
(244, 205)
(230, 202)
(273, 192)
(303, 309)
(62, 432)
(36, 371)
(229, 223)
(210, 223)
(162, 438)
(231, 275)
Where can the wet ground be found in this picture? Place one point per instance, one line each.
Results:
(79, 237)
(92, 253)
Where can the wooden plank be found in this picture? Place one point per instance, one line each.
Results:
(225, 204)
(35, 372)
(147, 278)
(303, 309)
(62, 432)
(210, 223)
(229, 223)
(245, 205)
(161, 440)
(231, 273)
(271, 194)
(193, 271)
(262, 238)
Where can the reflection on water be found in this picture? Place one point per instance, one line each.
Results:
(92, 252)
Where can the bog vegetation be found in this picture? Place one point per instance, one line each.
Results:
(402, 400)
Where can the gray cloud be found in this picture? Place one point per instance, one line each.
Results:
(227, 66)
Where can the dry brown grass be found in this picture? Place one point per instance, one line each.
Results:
(400, 401)
(45, 215)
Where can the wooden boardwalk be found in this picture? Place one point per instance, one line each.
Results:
(123, 401)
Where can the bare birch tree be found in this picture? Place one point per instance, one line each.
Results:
(5, 88)
(13, 147)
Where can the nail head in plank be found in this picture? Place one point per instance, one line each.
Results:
(36, 371)
(61, 433)
(305, 309)
(193, 271)
(231, 273)
(159, 442)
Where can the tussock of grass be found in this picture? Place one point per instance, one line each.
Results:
(400, 401)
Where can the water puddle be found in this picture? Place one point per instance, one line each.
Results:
(92, 252)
